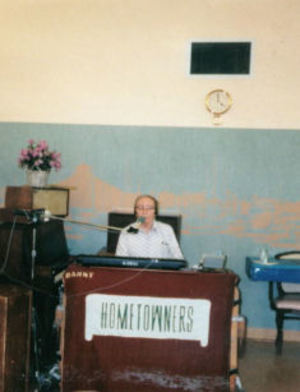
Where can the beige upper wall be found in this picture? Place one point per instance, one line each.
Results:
(126, 61)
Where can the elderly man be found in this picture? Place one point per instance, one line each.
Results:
(153, 239)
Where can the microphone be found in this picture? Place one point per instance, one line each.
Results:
(134, 228)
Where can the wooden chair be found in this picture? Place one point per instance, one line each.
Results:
(285, 300)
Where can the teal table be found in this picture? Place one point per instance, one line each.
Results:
(273, 271)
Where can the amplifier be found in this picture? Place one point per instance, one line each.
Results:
(16, 245)
(53, 199)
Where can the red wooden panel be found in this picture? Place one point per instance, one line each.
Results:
(119, 363)
(15, 323)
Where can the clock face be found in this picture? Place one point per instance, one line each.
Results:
(218, 102)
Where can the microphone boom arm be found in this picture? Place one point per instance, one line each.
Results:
(99, 227)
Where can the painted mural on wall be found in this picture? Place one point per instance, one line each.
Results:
(237, 190)
(266, 221)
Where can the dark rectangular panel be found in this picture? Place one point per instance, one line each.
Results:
(228, 58)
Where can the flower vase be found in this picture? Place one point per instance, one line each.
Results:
(37, 178)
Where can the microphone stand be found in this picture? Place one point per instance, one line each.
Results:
(33, 249)
(34, 313)
(45, 215)
(35, 216)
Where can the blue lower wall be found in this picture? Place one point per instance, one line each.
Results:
(237, 190)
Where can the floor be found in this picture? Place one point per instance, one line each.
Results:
(261, 370)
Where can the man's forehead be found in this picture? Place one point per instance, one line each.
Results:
(145, 200)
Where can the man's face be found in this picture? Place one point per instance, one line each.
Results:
(145, 208)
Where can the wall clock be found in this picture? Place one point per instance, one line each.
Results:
(218, 102)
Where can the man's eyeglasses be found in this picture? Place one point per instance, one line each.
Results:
(142, 208)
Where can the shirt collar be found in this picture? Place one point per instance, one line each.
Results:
(154, 226)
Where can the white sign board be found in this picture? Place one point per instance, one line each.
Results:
(147, 317)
